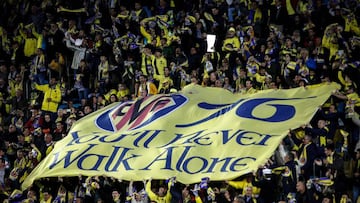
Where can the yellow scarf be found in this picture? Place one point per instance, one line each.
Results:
(303, 154)
(257, 15)
(330, 159)
(322, 140)
(138, 12)
(289, 8)
(343, 199)
(80, 10)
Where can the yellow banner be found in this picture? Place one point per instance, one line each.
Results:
(200, 132)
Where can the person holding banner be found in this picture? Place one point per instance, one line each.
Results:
(265, 180)
(320, 133)
(163, 194)
(185, 194)
(306, 155)
(136, 195)
(245, 183)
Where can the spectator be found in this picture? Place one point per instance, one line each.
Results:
(116, 195)
(145, 87)
(161, 195)
(303, 194)
(57, 64)
(82, 83)
(59, 132)
(48, 144)
(2, 170)
(19, 102)
(356, 180)
(137, 195)
(319, 134)
(248, 195)
(47, 197)
(39, 68)
(52, 96)
(35, 121)
(334, 169)
(246, 182)
(306, 155)
(48, 124)
(264, 179)
(103, 75)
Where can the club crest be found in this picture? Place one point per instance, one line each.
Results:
(142, 112)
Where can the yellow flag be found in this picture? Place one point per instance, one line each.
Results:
(196, 133)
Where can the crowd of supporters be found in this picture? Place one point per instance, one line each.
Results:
(61, 60)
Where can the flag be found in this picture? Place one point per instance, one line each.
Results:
(195, 133)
